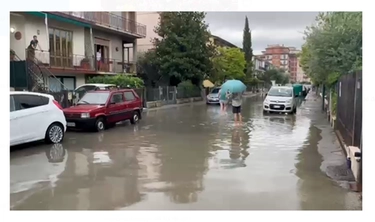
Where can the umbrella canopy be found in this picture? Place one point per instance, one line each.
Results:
(234, 86)
(208, 84)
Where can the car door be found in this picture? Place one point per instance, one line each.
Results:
(130, 103)
(16, 129)
(28, 118)
(116, 108)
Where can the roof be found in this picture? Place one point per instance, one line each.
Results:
(224, 41)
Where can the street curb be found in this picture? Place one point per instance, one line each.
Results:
(341, 141)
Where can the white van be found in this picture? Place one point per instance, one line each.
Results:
(280, 99)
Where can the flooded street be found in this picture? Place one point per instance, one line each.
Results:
(189, 157)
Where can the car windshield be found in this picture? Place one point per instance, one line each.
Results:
(281, 92)
(94, 98)
(216, 90)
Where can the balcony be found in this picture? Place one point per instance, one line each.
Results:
(111, 21)
(80, 63)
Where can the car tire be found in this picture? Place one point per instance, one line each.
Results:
(99, 124)
(295, 110)
(135, 118)
(55, 133)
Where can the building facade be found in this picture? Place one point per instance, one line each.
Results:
(286, 58)
(150, 19)
(76, 45)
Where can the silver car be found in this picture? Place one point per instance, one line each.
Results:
(213, 96)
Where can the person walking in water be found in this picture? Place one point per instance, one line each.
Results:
(236, 107)
(223, 101)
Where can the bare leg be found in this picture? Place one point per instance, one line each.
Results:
(239, 117)
(221, 106)
(225, 107)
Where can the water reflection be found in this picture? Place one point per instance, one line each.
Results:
(39, 171)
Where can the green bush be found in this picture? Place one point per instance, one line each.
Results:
(187, 89)
(121, 80)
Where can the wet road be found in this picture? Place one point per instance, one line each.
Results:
(188, 157)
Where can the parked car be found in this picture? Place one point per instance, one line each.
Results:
(35, 116)
(81, 90)
(101, 109)
(280, 99)
(213, 96)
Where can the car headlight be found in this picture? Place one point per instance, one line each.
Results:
(289, 101)
(85, 115)
(266, 101)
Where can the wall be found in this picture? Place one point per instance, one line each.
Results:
(18, 46)
(33, 24)
(150, 19)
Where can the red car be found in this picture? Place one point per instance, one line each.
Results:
(104, 108)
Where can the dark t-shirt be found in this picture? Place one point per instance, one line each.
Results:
(33, 44)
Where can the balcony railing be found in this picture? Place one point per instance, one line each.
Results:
(79, 62)
(111, 21)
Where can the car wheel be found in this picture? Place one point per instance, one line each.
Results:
(99, 124)
(55, 133)
(135, 117)
(295, 110)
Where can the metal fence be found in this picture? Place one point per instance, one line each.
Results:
(170, 94)
(349, 108)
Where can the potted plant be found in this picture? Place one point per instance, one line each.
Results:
(12, 54)
(85, 63)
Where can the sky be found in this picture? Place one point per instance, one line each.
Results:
(267, 28)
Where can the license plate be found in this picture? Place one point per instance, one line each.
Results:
(276, 106)
(71, 124)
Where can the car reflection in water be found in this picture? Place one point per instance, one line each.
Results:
(41, 172)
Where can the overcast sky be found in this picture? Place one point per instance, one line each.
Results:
(266, 27)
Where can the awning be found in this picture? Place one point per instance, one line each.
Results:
(208, 84)
(59, 18)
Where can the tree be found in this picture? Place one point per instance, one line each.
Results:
(247, 48)
(182, 52)
(228, 63)
(148, 70)
(278, 75)
(333, 46)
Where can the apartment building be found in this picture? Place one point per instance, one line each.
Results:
(284, 58)
(150, 19)
(76, 45)
(261, 64)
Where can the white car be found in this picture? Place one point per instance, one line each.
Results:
(280, 99)
(35, 116)
(81, 90)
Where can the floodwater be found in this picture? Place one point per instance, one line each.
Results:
(189, 157)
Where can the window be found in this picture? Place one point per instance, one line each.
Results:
(129, 96)
(117, 98)
(29, 101)
(12, 106)
(68, 83)
(94, 98)
(61, 47)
